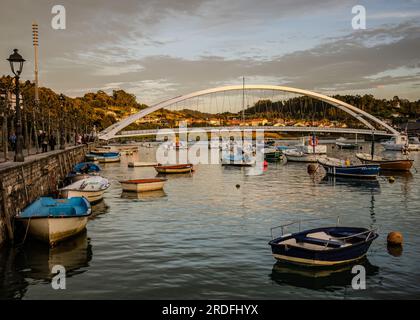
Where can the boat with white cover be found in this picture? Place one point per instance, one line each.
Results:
(92, 188)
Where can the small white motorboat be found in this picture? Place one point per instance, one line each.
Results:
(413, 144)
(142, 185)
(402, 142)
(92, 189)
(295, 155)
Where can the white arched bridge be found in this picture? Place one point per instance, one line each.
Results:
(372, 123)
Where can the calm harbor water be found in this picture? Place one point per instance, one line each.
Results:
(203, 237)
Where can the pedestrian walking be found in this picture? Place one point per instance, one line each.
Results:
(52, 142)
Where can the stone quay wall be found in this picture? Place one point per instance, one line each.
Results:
(22, 183)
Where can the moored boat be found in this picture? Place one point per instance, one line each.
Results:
(92, 188)
(386, 164)
(322, 247)
(338, 167)
(237, 160)
(299, 156)
(142, 185)
(178, 168)
(106, 156)
(92, 157)
(413, 144)
(343, 143)
(81, 171)
(272, 154)
(86, 167)
(53, 220)
(396, 143)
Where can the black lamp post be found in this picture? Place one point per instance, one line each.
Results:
(62, 138)
(16, 64)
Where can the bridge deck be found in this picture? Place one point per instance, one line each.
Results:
(163, 131)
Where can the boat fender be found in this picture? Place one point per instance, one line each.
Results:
(394, 238)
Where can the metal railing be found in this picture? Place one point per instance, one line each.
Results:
(283, 226)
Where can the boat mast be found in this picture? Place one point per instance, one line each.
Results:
(372, 148)
(243, 99)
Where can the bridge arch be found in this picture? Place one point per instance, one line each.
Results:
(357, 113)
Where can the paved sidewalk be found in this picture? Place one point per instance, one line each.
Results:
(32, 156)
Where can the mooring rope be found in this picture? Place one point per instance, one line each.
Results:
(26, 233)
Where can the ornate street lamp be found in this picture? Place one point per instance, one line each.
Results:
(16, 64)
(62, 138)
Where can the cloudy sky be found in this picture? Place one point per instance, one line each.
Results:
(158, 49)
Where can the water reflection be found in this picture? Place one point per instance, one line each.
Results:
(330, 279)
(366, 185)
(99, 209)
(12, 282)
(146, 196)
(174, 176)
(35, 259)
(395, 251)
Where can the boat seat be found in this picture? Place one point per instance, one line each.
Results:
(321, 242)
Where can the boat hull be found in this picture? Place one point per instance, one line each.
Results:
(54, 230)
(109, 159)
(272, 156)
(91, 196)
(390, 165)
(343, 145)
(142, 187)
(235, 164)
(320, 259)
(312, 158)
(393, 147)
(174, 169)
(366, 172)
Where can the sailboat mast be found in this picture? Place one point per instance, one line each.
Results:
(372, 149)
(243, 99)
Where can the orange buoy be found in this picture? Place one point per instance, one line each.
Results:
(394, 238)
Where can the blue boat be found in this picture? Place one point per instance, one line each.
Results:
(53, 220)
(86, 167)
(81, 171)
(104, 156)
(337, 167)
(322, 247)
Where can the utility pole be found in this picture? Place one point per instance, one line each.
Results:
(35, 44)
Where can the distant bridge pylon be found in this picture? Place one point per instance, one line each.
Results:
(362, 116)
